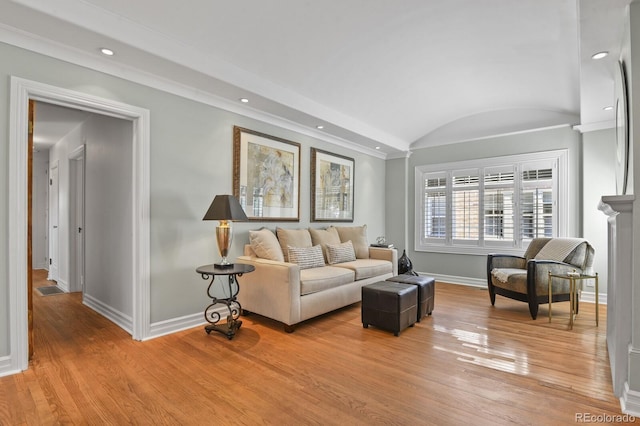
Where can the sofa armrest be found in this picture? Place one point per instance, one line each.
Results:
(272, 290)
(389, 254)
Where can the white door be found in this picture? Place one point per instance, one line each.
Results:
(77, 213)
(53, 223)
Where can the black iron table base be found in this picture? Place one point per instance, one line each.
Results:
(233, 308)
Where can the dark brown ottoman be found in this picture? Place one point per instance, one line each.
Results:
(426, 291)
(389, 306)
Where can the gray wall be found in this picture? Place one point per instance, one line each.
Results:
(108, 212)
(598, 179)
(191, 162)
(471, 269)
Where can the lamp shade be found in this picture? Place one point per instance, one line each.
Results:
(225, 207)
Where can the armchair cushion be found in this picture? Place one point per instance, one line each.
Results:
(512, 278)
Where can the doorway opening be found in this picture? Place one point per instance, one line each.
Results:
(22, 91)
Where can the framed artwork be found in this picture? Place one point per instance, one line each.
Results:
(332, 193)
(266, 176)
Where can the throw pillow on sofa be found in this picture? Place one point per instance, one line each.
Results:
(293, 238)
(323, 237)
(358, 236)
(340, 253)
(265, 244)
(306, 257)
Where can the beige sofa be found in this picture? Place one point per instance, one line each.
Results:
(303, 273)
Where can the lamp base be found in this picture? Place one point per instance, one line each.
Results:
(223, 265)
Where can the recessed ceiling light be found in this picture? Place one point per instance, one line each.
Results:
(608, 108)
(244, 100)
(599, 55)
(377, 147)
(319, 127)
(107, 52)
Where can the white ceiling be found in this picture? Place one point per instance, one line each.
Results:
(376, 73)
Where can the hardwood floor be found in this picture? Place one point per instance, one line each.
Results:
(469, 363)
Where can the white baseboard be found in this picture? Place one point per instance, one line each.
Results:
(63, 285)
(453, 279)
(123, 321)
(7, 367)
(590, 297)
(630, 401)
(585, 296)
(173, 325)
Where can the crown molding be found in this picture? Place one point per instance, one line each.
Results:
(46, 47)
(592, 127)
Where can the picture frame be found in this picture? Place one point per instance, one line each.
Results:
(266, 176)
(332, 187)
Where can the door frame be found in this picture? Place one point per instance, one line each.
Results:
(22, 91)
(76, 216)
(53, 199)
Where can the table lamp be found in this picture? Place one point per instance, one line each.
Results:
(226, 209)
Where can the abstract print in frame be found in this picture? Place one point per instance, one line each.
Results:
(332, 192)
(266, 176)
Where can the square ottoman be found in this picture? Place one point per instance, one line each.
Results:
(390, 306)
(426, 291)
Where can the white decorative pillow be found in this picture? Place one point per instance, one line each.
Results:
(265, 244)
(340, 253)
(358, 237)
(306, 257)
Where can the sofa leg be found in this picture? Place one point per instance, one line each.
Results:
(289, 328)
(533, 309)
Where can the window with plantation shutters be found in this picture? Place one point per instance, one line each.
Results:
(465, 204)
(435, 200)
(536, 199)
(499, 203)
(477, 206)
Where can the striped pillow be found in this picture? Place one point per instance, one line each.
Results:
(340, 253)
(306, 257)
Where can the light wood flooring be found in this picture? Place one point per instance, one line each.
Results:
(469, 363)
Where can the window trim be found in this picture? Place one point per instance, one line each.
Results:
(559, 161)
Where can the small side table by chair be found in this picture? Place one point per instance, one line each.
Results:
(574, 277)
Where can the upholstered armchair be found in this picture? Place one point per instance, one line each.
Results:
(526, 278)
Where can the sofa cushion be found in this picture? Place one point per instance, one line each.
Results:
(306, 257)
(265, 245)
(318, 279)
(339, 253)
(324, 237)
(293, 238)
(358, 237)
(367, 268)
